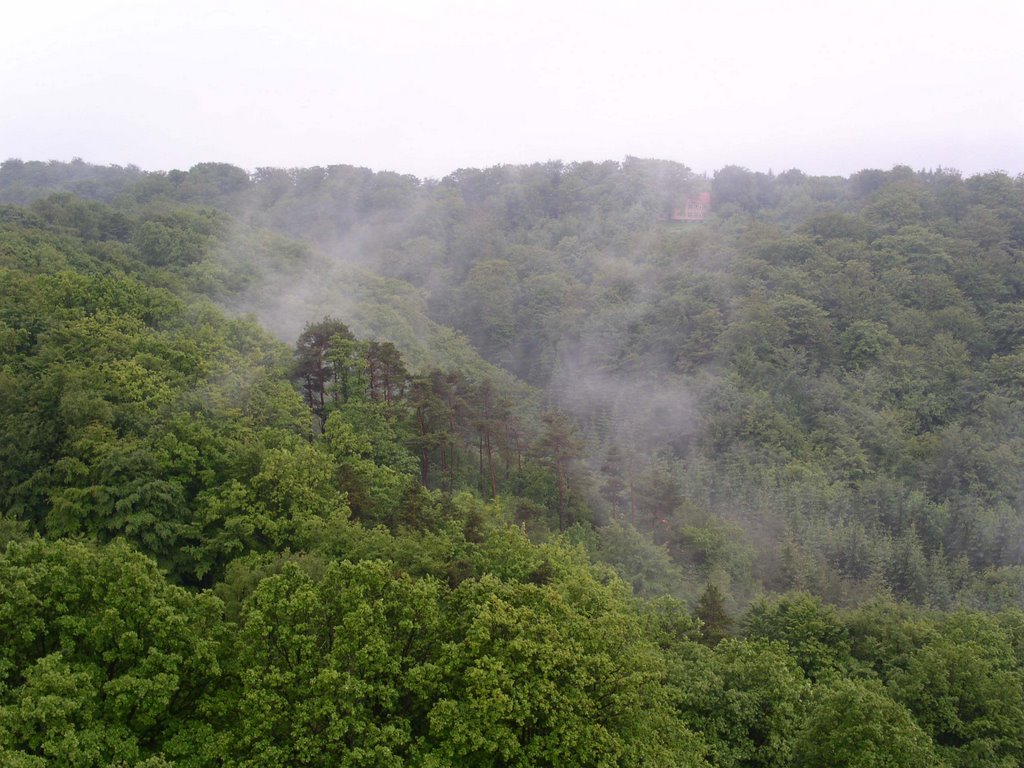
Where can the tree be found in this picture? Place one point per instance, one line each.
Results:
(748, 700)
(386, 371)
(964, 687)
(615, 487)
(337, 670)
(814, 633)
(854, 724)
(554, 673)
(102, 662)
(433, 428)
(315, 365)
(558, 446)
(716, 625)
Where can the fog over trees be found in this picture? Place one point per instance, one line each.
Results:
(554, 464)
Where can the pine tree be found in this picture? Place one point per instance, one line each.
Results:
(716, 625)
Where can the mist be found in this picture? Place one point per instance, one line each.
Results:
(577, 384)
(758, 391)
(784, 412)
(700, 351)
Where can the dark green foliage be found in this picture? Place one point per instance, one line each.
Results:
(715, 623)
(323, 362)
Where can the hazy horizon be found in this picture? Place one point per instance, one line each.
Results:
(431, 87)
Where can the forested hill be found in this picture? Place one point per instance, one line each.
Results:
(531, 474)
(817, 387)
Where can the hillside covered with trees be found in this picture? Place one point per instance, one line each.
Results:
(332, 467)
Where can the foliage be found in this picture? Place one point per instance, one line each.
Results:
(546, 477)
(103, 662)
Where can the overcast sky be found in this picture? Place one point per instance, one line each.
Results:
(427, 87)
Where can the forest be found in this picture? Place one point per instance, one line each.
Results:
(335, 467)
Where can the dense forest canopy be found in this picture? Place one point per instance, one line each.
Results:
(332, 467)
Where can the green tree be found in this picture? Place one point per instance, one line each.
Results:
(813, 632)
(553, 673)
(317, 366)
(965, 689)
(337, 670)
(748, 700)
(102, 662)
(558, 446)
(854, 724)
(715, 622)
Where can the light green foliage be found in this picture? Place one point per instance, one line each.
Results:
(101, 662)
(286, 501)
(336, 671)
(855, 725)
(554, 671)
(958, 674)
(747, 698)
(812, 632)
(647, 567)
(965, 688)
(374, 489)
(141, 416)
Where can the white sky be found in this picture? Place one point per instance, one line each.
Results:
(427, 87)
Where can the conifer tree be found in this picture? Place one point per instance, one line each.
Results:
(716, 625)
